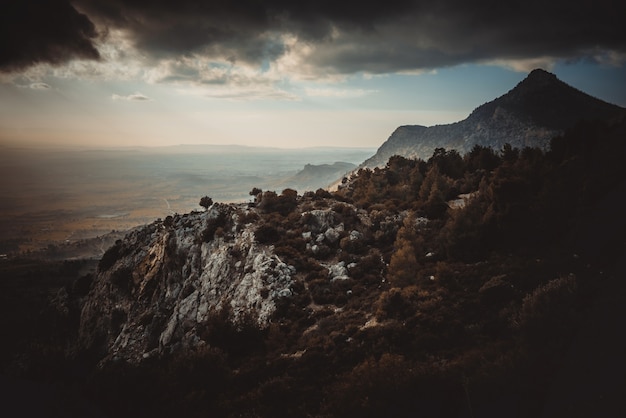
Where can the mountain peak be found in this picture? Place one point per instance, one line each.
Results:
(538, 108)
(540, 80)
(544, 100)
(540, 74)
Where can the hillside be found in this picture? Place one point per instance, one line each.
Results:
(380, 299)
(314, 176)
(530, 115)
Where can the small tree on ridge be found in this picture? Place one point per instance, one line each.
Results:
(205, 202)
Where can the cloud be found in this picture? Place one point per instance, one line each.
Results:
(309, 39)
(43, 31)
(376, 37)
(202, 76)
(525, 65)
(39, 86)
(35, 86)
(135, 97)
(337, 93)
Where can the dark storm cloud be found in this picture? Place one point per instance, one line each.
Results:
(238, 30)
(347, 36)
(52, 31)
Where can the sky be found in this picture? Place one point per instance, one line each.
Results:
(284, 73)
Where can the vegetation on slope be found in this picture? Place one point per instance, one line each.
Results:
(449, 308)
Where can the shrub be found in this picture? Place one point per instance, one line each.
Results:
(398, 303)
(213, 225)
(110, 256)
(283, 204)
(549, 311)
(247, 217)
(267, 234)
(205, 202)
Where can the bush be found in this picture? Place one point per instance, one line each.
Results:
(213, 225)
(267, 234)
(205, 202)
(283, 204)
(549, 312)
(247, 217)
(398, 303)
(110, 256)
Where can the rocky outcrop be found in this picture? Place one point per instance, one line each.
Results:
(539, 108)
(161, 288)
(156, 289)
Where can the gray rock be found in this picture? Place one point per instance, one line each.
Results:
(320, 220)
(173, 277)
(332, 235)
(338, 271)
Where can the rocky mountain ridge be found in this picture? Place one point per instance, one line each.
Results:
(155, 290)
(539, 108)
(162, 279)
(382, 298)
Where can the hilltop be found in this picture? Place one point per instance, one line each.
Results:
(539, 108)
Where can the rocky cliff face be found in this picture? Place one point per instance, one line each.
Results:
(153, 288)
(156, 290)
(539, 108)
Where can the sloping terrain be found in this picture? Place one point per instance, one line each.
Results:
(448, 287)
(378, 299)
(530, 115)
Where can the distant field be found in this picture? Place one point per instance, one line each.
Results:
(64, 196)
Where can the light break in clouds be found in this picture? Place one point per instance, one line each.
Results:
(308, 57)
(310, 38)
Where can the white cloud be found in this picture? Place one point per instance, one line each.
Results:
(200, 75)
(610, 58)
(35, 85)
(238, 93)
(525, 65)
(337, 93)
(135, 97)
(39, 86)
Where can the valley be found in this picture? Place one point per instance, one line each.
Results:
(60, 197)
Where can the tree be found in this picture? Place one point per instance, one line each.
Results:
(482, 158)
(433, 179)
(450, 162)
(509, 154)
(403, 266)
(205, 202)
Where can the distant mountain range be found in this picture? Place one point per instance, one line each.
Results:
(540, 107)
(312, 176)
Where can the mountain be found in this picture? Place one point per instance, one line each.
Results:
(539, 108)
(314, 176)
(380, 299)
(367, 302)
(155, 286)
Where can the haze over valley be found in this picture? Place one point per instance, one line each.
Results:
(64, 195)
